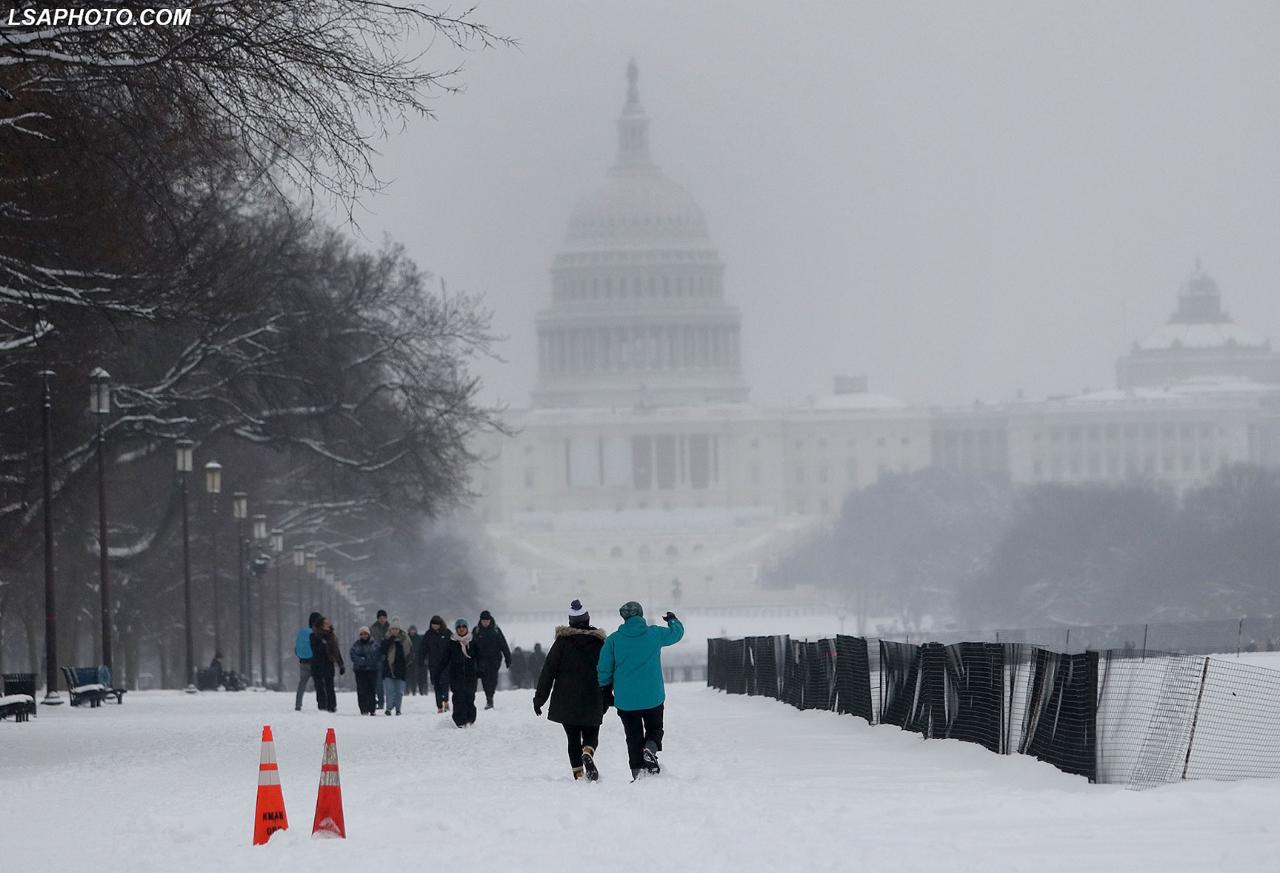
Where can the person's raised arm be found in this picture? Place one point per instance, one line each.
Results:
(674, 629)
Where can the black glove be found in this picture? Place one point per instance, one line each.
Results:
(669, 617)
(508, 663)
(342, 671)
(537, 710)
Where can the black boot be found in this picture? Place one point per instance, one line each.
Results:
(651, 758)
(589, 764)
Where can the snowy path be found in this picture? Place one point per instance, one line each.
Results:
(751, 785)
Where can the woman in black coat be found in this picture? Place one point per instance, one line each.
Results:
(325, 655)
(463, 671)
(437, 641)
(569, 678)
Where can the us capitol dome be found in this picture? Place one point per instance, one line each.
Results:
(638, 316)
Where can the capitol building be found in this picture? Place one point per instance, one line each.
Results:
(641, 469)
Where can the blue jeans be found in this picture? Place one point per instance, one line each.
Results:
(394, 693)
(377, 688)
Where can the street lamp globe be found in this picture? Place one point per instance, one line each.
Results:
(100, 392)
(311, 563)
(213, 477)
(299, 556)
(259, 527)
(184, 448)
(240, 505)
(277, 541)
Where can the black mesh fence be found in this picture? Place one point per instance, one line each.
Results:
(1111, 716)
(1059, 726)
(853, 678)
(976, 694)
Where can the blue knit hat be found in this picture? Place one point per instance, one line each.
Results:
(630, 608)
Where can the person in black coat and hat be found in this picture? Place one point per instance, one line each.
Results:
(570, 680)
(435, 645)
(460, 663)
(490, 650)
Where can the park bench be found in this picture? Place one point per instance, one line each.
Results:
(209, 679)
(84, 686)
(18, 696)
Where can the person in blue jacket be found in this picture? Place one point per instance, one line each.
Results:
(365, 657)
(302, 648)
(631, 661)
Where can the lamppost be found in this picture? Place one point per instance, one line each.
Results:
(51, 696)
(299, 563)
(311, 577)
(100, 406)
(277, 550)
(259, 540)
(317, 594)
(213, 487)
(240, 511)
(184, 467)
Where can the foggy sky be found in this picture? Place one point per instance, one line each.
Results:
(956, 200)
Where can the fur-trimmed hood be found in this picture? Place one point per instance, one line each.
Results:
(566, 631)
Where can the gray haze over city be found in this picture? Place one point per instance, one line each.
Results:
(959, 202)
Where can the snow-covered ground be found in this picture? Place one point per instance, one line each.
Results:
(167, 782)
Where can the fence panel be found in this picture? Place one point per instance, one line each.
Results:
(853, 678)
(1061, 724)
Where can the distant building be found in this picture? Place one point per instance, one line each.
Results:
(641, 468)
(1198, 393)
(642, 471)
(1200, 341)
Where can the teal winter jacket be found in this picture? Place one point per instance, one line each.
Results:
(631, 661)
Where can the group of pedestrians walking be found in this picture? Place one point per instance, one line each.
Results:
(583, 675)
(387, 662)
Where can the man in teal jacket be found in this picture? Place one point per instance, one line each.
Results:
(631, 661)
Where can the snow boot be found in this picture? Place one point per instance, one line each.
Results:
(488, 704)
(589, 764)
(651, 758)
(577, 773)
(635, 774)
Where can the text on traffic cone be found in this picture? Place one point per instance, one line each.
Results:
(329, 820)
(268, 813)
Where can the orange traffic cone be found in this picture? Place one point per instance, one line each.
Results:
(329, 821)
(268, 814)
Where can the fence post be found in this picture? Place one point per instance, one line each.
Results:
(1067, 646)
(1195, 716)
(1239, 635)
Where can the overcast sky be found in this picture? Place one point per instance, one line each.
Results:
(958, 200)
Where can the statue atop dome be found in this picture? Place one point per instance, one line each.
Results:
(633, 128)
(633, 85)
